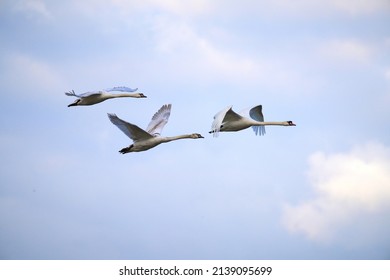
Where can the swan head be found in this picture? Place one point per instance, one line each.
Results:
(140, 95)
(290, 123)
(75, 103)
(196, 136)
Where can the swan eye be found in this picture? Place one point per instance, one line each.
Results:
(290, 123)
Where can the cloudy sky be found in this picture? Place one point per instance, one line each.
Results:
(320, 190)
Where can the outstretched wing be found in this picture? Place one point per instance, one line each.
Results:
(159, 120)
(123, 88)
(256, 114)
(89, 93)
(131, 130)
(225, 115)
(82, 95)
(72, 93)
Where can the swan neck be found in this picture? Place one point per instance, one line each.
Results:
(271, 123)
(121, 95)
(173, 138)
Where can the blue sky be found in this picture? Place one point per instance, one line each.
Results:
(320, 190)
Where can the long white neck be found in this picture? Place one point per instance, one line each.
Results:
(173, 138)
(121, 95)
(271, 123)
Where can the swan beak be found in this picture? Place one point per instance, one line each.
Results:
(143, 95)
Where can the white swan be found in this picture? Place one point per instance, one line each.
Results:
(144, 140)
(228, 120)
(94, 97)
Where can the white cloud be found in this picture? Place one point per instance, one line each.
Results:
(30, 74)
(33, 8)
(354, 7)
(266, 8)
(194, 54)
(346, 186)
(179, 7)
(350, 7)
(177, 38)
(347, 50)
(301, 8)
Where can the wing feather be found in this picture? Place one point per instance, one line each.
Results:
(256, 114)
(72, 93)
(159, 120)
(131, 130)
(225, 115)
(89, 93)
(122, 88)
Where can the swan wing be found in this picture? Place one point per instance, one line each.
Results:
(256, 114)
(259, 129)
(90, 93)
(72, 93)
(231, 116)
(85, 94)
(159, 120)
(225, 115)
(96, 92)
(123, 88)
(131, 130)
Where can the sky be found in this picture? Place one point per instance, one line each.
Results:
(320, 190)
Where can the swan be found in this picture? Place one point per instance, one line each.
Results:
(94, 97)
(228, 120)
(149, 138)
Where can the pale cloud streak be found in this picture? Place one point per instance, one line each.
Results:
(32, 75)
(346, 185)
(182, 8)
(33, 9)
(309, 8)
(199, 54)
(347, 50)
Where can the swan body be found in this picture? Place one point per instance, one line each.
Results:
(146, 139)
(94, 97)
(228, 120)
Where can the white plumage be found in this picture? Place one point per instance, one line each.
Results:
(145, 140)
(94, 97)
(228, 120)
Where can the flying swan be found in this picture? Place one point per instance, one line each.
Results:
(228, 120)
(94, 97)
(145, 140)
